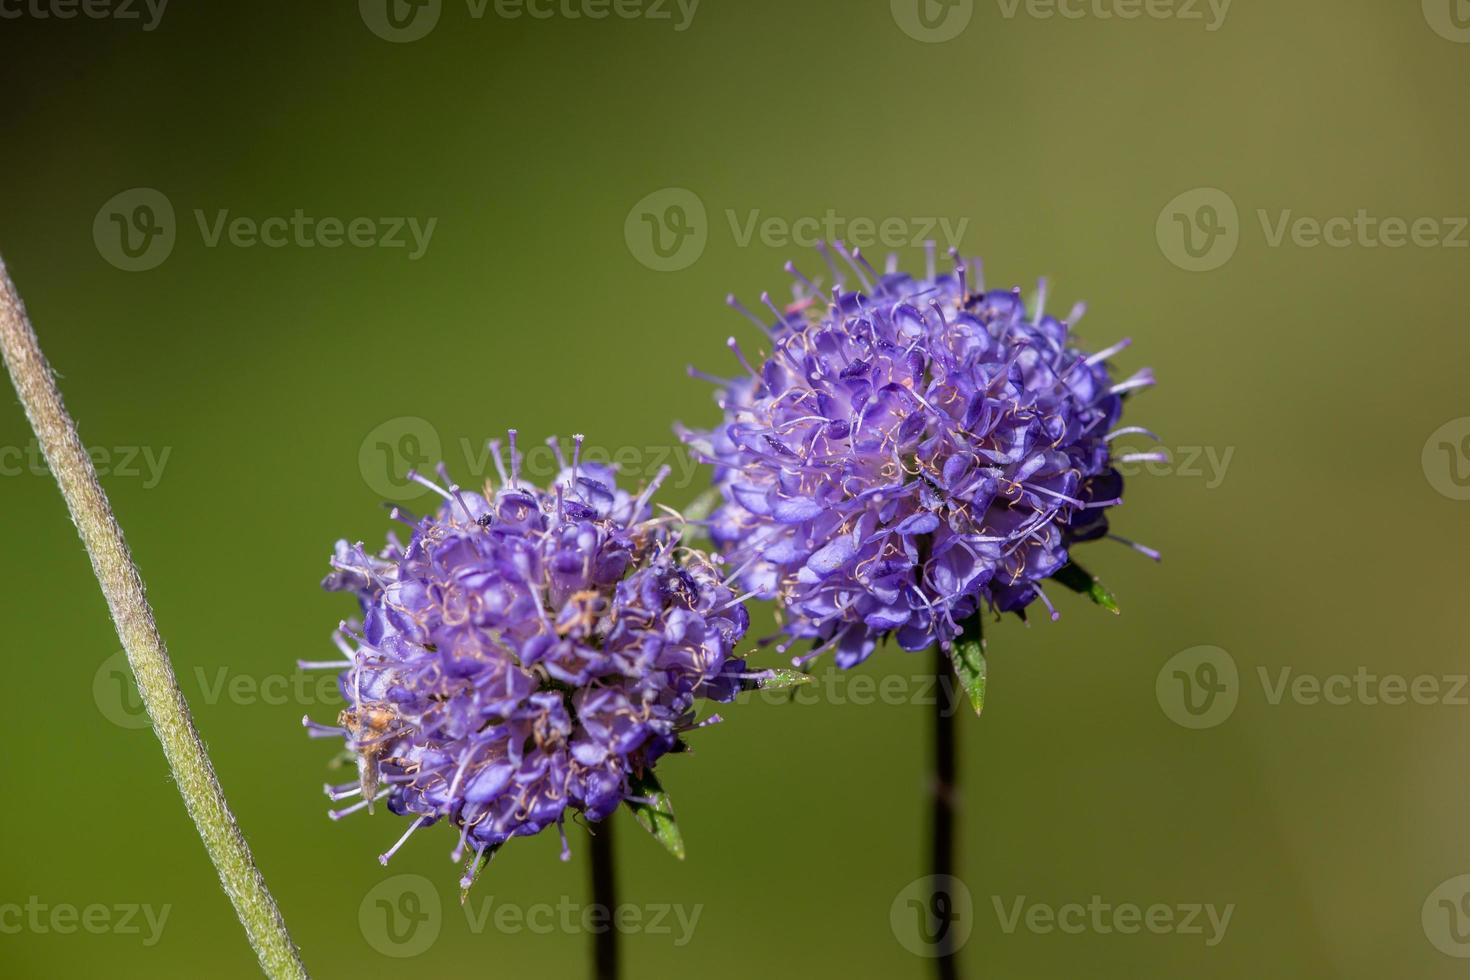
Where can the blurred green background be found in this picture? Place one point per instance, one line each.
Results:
(1313, 397)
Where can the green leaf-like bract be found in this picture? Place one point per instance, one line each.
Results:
(967, 653)
(477, 864)
(1081, 581)
(782, 678)
(657, 815)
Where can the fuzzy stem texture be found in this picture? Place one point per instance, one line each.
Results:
(123, 588)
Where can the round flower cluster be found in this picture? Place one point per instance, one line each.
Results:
(529, 652)
(911, 452)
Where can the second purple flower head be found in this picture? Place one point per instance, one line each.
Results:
(912, 453)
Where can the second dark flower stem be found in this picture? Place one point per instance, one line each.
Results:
(944, 803)
(604, 895)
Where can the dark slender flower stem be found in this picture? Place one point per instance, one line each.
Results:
(122, 586)
(604, 895)
(945, 804)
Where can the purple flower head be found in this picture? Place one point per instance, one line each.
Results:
(912, 453)
(527, 653)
